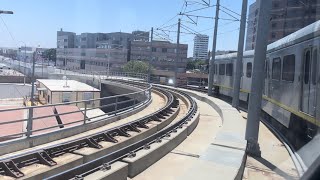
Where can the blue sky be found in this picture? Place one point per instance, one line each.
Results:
(36, 22)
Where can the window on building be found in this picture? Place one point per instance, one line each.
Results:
(66, 96)
(65, 40)
(222, 69)
(274, 25)
(65, 46)
(314, 66)
(229, 69)
(83, 54)
(288, 68)
(249, 70)
(276, 69)
(273, 35)
(154, 49)
(83, 39)
(164, 50)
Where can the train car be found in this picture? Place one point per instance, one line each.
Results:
(292, 80)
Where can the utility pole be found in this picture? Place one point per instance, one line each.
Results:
(150, 60)
(30, 117)
(252, 128)
(237, 76)
(177, 51)
(213, 53)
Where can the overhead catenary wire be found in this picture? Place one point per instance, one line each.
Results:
(13, 39)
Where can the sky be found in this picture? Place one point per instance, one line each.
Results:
(36, 22)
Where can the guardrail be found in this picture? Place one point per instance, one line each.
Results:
(129, 151)
(77, 109)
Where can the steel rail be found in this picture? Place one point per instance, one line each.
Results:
(9, 166)
(105, 162)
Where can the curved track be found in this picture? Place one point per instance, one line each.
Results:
(27, 164)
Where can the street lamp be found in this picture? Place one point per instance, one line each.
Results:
(6, 12)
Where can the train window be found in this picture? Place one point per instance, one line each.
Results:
(314, 66)
(249, 70)
(222, 69)
(307, 67)
(229, 69)
(288, 68)
(276, 68)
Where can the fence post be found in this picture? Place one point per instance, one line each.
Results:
(85, 113)
(29, 123)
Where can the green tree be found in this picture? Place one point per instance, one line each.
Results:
(136, 67)
(51, 55)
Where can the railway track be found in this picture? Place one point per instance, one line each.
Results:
(298, 162)
(84, 156)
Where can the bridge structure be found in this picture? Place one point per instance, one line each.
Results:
(147, 131)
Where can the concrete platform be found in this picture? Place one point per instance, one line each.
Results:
(179, 160)
(220, 156)
(275, 161)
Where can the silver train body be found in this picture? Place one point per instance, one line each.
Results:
(291, 78)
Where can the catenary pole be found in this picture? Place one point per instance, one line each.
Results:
(150, 58)
(238, 74)
(213, 53)
(252, 128)
(177, 54)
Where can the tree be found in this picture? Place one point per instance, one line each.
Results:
(136, 67)
(51, 55)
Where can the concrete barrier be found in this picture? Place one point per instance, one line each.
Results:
(146, 157)
(225, 157)
(118, 171)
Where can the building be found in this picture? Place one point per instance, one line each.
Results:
(98, 51)
(200, 48)
(92, 59)
(140, 36)
(52, 91)
(163, 54)
(287, 16)
(65, 39)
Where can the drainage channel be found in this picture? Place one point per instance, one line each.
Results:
(139, 155)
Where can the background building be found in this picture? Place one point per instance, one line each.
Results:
(95, 51)
(200, 49)
(163, 54)
(287, 16)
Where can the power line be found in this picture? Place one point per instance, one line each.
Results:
(8, 30)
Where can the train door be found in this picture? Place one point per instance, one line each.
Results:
(266, 78)
(308, 101)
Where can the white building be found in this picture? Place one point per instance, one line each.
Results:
(200, 49)
(52, 91)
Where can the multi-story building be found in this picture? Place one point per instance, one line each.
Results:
(140, 36)
(287, 16)
(163, 54)
(65, 39)
(95, 51)
(91, 59)
(200, 48)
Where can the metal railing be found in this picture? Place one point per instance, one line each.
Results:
(35, 120)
